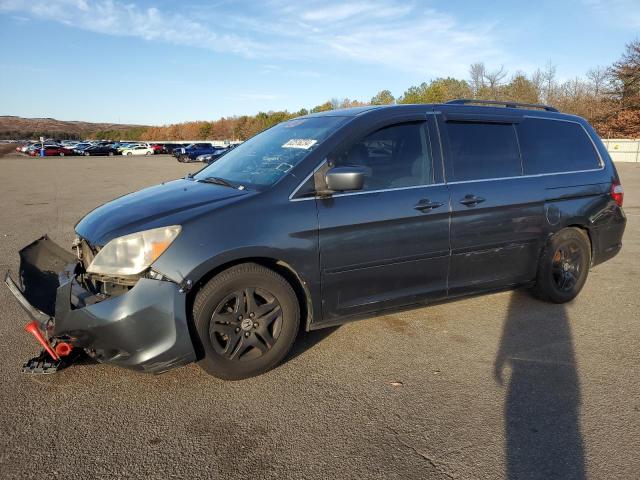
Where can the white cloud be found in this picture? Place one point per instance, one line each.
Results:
(393, 34)
(398, 35)
(345, 11)
(112, 17)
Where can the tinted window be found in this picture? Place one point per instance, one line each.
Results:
(393, 157)
(550, 146)
(483, 150)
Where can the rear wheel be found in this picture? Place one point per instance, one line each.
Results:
(61, 154)
(111, 154)
(247, 318)
(86, 154)
(129, 153)
(148, 153)
(564, 266)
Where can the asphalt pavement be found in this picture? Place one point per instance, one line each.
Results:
(491, 387)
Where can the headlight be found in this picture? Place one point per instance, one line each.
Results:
(134, 253)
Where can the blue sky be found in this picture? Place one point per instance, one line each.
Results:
(160, 61)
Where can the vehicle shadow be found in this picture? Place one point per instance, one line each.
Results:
(307, 340)
(542, 406)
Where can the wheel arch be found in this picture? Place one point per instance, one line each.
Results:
(587, 231)
(582, 227)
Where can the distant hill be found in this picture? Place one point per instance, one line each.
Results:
(12, 127)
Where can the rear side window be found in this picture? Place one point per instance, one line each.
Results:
(483, 150)
(551, 146)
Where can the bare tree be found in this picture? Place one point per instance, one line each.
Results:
(477, 73)
(494, 80)
(549, 82)
(598, 78)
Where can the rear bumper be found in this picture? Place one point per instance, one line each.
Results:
(144, 329)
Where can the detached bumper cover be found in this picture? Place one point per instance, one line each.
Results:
(144, 329)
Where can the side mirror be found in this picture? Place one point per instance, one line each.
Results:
(340, 179)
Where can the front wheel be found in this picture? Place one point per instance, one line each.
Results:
(111, 154)
(129, 153)
(564, 266)
(247, 319)
(148, 153)
(86, 154)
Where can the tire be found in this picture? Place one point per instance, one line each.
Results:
(148, 153)
(87, 154)
(235, 344)
(129, 154)
(61, 154)
(111, 154)
(564, 266)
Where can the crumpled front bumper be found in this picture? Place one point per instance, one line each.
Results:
(143, 329)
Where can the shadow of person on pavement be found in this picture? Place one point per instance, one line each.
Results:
(542, 405)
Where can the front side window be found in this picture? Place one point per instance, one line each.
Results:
(265, 158)
(551, 146)
(392, 157)
(483, 151)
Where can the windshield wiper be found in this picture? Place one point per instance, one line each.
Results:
(217, 181)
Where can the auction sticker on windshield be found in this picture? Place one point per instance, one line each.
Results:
(304, 143)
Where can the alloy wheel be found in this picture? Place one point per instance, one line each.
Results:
(245, 324)
(567, 266)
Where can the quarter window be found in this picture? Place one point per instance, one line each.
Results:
(551, 146)
(483, 150)
(392, 157)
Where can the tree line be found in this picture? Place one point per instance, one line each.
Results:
(609, 97)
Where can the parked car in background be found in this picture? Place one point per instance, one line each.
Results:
(190, 153)
(24, 147)
(80, 147)
(51, 151)
(213, 156)
(100, 150)
(169, 148)
(157, 148)
(129, 145)
(182, 149)
(36, 147)
(137, 150)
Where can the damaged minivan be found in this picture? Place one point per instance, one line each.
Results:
(320, 220)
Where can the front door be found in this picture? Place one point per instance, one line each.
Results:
(388, 244)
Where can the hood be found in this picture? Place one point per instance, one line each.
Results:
(169, 203)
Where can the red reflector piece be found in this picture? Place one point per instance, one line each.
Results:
(617, 192)
(63, 349)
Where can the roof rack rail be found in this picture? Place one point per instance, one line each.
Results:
(464, 101)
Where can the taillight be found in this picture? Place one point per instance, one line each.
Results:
(617, 192)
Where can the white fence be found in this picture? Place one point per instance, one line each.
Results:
(623, 150)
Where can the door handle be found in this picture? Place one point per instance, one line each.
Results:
(471, 200)
(426, 205)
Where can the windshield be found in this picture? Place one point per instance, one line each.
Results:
(264, 159)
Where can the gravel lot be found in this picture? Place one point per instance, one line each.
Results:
(499, 386)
